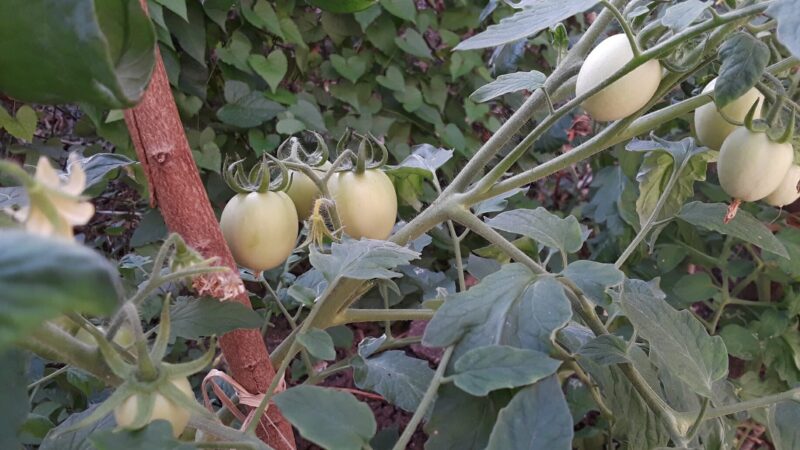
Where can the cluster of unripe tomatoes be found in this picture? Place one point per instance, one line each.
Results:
(751, 166)
(365, 203)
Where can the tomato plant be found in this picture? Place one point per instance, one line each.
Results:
(473, 225)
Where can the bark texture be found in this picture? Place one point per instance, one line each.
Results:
(175, 187)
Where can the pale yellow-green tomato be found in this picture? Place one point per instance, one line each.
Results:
(260, 229)
(786, 193)
(623, 97)
(709, 124)
(751, 166)
(366, 203)
(124, 337)
(163, 408)
(304, 192)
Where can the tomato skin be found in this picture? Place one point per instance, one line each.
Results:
(304, 192)
(750, 166)
(786, 193)
(366, 203)
(260, 229)
(163, 408)
(623, 97)
(712, 128)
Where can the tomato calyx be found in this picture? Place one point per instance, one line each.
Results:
(147, 379)
(292, 150)
(364, 157)
(762, 126)
(259, 178)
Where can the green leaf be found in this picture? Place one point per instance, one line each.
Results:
(393, 80)
(176, 6)
(191, 35)
(414, 44)
(157, 434)
(272, 68)
(535, 16)
(790, 238)
(744, 59)
(681, 15)
(593, 278)
(740, 342)
(606, 349)
(461, 421)
(263, 16)
(193, 318)
(42, 278)
(23, 125)
(14, 392)
(509, 307)
(309, 114)
(110, 68)
(566, 235)
(744, 226)
(217, 10)
(398, 378)
(246, 109)
(57, 439)
(404, 9)
(289, 126)
(510, 82)
(788, 23)
(694, 288)
(342, 6)
(97, 166)
(327, 417)
(318, 343)
(292, 33)
(782, 420)
(536, 418)
(662, 158)
(236, 52)
(485, 369)
(351, 68)
(679, 338)
(365, 259)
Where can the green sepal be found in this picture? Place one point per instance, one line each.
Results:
(175, 395)
(192, 367)
(145, 401)
(162, 339)
(788, 133)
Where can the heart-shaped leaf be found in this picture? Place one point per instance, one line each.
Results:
(272, 68)
(351, 68)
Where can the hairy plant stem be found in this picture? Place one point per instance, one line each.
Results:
(426, 401)
(626, 27)
(713, 413)
(353, 315)
(51, 342)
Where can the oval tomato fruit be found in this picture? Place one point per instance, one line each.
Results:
(163, 409)
(626, 95)
(751, 166)
(260, 229)
(786, 193)
(709, 123)
(366, 203)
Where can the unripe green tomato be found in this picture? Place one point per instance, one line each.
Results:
(786, 193)
(85, 337)
(751, 166)
(66, 324)
(260, 229)
(366, 203)
(623, 97)
(124, 337)
(304, 192)
(709, 124)
(163, 409)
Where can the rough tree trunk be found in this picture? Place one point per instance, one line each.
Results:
(176, 188)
